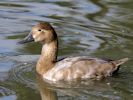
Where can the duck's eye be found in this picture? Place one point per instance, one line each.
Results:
(39, 30)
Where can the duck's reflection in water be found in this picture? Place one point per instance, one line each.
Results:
(44, 89)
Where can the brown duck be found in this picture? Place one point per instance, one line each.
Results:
(70, 68)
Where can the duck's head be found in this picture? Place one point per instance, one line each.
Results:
(42, 32)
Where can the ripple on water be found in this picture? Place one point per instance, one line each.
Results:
(24, 73)
(6, 93)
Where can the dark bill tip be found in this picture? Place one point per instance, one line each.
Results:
(27, 39)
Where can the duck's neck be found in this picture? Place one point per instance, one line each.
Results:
(48, 57)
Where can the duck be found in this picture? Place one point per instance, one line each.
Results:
(69, 68)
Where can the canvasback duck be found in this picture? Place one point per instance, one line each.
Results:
(70, 68)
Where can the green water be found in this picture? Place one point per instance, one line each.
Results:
(101, 28)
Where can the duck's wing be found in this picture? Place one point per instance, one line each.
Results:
(69, 61)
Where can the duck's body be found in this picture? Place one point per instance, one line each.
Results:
(71, 68)
(80, 68)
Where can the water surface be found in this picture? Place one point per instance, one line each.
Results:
(101, 28)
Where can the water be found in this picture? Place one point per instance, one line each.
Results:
(101, 28)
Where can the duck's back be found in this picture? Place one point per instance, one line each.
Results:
(81, 68)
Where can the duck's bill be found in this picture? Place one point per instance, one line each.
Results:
(27, 39)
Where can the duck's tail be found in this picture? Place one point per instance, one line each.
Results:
(120, 62)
